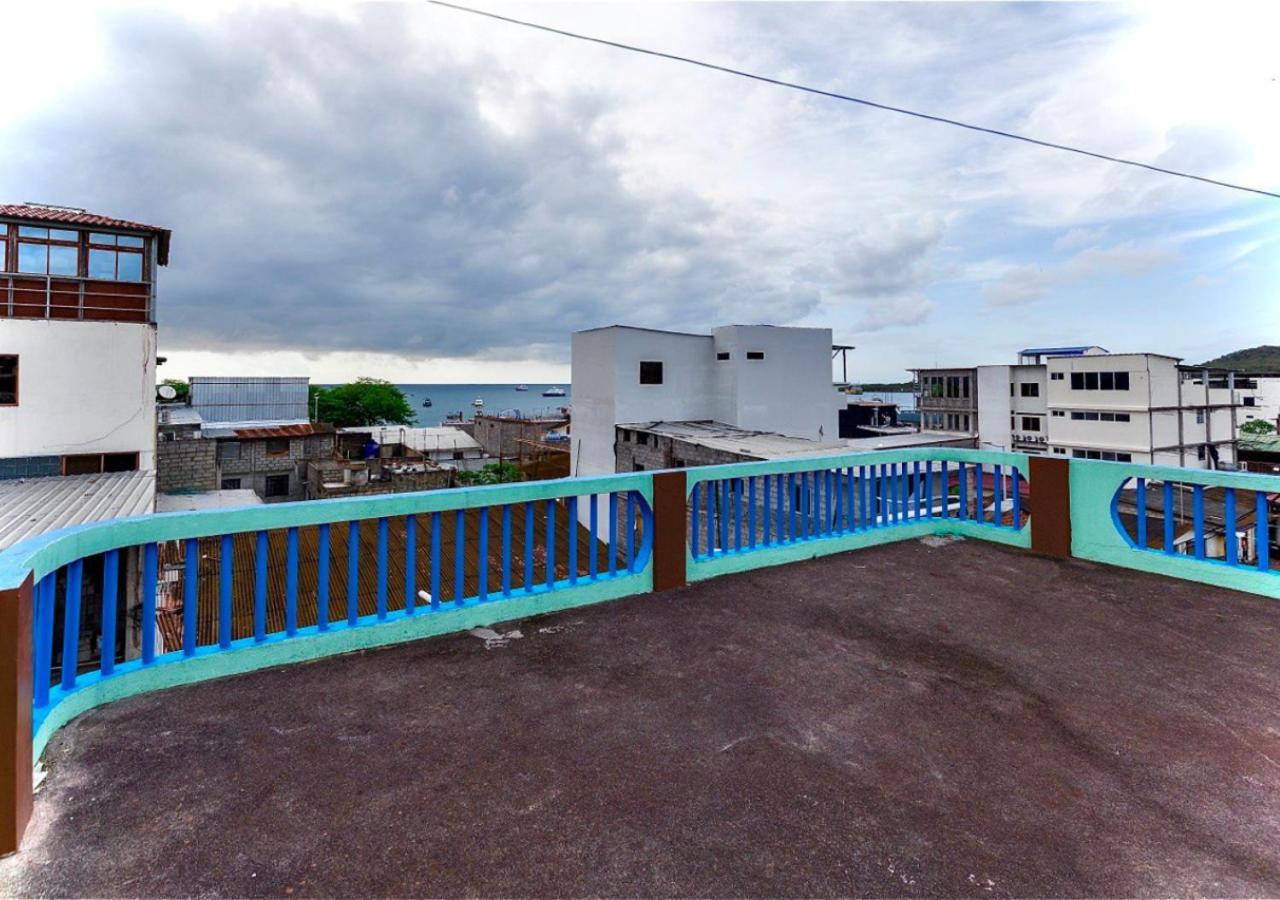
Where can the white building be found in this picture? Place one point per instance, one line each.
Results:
(755, 377)
(77, 342)
(1086, 403)
(1263, 401)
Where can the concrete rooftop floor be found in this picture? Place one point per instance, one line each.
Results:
(909, 720)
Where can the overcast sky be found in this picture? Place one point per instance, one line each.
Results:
(415, 193)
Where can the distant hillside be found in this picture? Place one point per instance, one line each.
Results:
(1256, 359)
(899, 387)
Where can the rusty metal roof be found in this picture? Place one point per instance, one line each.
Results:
(68, 216)
(284, 431)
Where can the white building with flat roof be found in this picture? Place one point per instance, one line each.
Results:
(1087, 403)
(754, 377)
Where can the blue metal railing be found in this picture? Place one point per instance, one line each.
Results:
(211, 586)
(761, 506)
(1223, 524)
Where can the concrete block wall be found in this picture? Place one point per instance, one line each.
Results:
(186, 466)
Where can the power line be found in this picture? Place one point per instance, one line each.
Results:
(850, 99)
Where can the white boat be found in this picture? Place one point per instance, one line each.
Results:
(477, 403)
(554, 392)
(522, 387)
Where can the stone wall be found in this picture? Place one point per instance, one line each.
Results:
(500, 436)
(183, 466)
(251, 463)
(637, 451)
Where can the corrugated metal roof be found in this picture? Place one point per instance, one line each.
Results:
(177, 414)
(228, 499)
(222, 400)
(67, 216)
(33, 506)
(732, 439)
(1259, 443)
(305, 429)
(424, 440)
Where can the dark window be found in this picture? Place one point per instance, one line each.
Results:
(637, 467)
(1058, 412)
(722, 355)
(1250, 401)
(1200, 452)
(1077, 454)
(1077, 417)
(1122, 417)
(120, 462)
(82, 464)
(626, 436)
(1056, 376)
(8, 380)
(642, 438)
(231, 484)
(1124, 457)
(1030, 423)
(1107, 381)
(651, 373)
(755, 354)
(277, 447)
(1107, 417)
(1077, 381)
(1090, 381)
(1122, 381)
(276, 486)
(457, 454)
(228, 450)
(1030, 389)
(1091, 417)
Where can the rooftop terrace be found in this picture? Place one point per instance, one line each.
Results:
(924, 718)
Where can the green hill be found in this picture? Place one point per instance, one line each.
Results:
(1265, 358)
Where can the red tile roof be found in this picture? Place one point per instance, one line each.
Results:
(66, 216)
(283, 431)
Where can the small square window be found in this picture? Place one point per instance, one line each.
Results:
(276, 486)
(120, 462)
(1107, 381)
(722, 355)
(228, 450)
(278, 447)
(755, 354)
(8, 380)
(650, 372)
(1090, 381)
(1122, 381)
(1077, 381)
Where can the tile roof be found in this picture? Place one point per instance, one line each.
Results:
(283, 431)
(67, 216)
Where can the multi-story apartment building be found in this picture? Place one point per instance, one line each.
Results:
(1086, 403)
(754, 377)
(77, 342)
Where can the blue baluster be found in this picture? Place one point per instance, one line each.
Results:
(226, 574)
(751, 512)
(694, 522)
(1141, 502)
(735, 491)
(928, 488)
(1168, 517)
(1262, 534)
(1197, 512)
(71, 624)
(260, 588)
(506, 547)
(1229, 525)
(437, 548)
(945, 489)
(459, 556)
(806, 511)
(410, 564)
(593, 562)
(353, 573)
(791, 506)
(631, 531)
(613, 533)
(110, 593)
(150, 577)
(482, 554)
(998, 498)
(724, 516)
(1014, 477)
(963, 478)
(190, 596)
(528, 546)
(571, 514)
(551, 540)
(47, 590)
(291, 582)
(322, 577)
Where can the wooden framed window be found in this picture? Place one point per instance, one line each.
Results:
(8, 379)
(48, 251)
(116, 257)
(96, 463)
(277, 447)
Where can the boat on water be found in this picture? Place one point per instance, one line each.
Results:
(426, 402)
(554, 392)
(522, 387)
(477, 403)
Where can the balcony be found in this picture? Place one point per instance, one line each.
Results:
(67, 297)
(828, 694)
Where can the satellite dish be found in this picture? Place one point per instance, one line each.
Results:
(167, 392)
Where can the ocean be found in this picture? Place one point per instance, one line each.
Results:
(498, 398)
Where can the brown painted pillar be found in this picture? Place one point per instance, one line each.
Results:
(1051, 506)
(15, 715)
(670, 520)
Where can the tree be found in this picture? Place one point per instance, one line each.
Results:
(180, 387)
(365, 401)
(494, 473)
(1258, 426)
